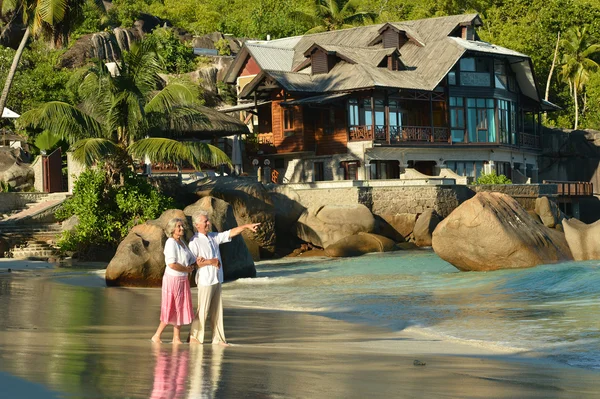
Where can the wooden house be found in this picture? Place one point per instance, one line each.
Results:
(371, 101)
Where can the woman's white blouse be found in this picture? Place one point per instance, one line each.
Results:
(175, 253)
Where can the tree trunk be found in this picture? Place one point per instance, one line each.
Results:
(576, 106)
(551, 71)
(13, 69)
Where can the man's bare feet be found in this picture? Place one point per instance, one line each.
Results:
(177, 341)
(156, 339)
(194, 341)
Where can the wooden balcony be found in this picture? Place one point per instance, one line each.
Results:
(400, 134)
(572, 188)
(261, 143)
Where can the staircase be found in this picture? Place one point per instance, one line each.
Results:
(34, 250)
(31, 232)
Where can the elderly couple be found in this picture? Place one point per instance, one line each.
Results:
(202, 254)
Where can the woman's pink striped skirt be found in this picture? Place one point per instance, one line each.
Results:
(176, 304)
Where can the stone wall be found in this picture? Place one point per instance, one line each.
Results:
(525, 194)
(414, 199)
(10, 201)
(328, 196)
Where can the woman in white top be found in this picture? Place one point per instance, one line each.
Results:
(176, 304)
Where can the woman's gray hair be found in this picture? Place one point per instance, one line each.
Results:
(196, 216)
(171, 226)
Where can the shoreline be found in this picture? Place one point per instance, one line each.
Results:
(289, 354)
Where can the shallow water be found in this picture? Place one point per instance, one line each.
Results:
(63, 334)
(553, 310)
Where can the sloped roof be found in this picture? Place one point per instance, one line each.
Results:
(428, 57)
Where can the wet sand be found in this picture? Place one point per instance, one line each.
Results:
(63, 334)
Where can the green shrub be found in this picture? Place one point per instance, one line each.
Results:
(493, 178)
(106, 212)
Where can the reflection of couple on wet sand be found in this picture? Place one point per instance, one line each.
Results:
(204, 255)
(172, 372)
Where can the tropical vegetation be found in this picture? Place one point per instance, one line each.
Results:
(129, 113)
(105, 211)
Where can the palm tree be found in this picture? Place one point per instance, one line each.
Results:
(577, 63)
(49, 18)
(330, 15)
(127, 114)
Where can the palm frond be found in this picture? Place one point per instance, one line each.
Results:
(167, 150)
(51, 11)
(9, 5)
(172, 95)
(62, 119)
(47, 140)
(90, 151)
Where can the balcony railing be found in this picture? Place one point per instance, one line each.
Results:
(529, 140)
(421, 134)
(260, 143)
(572, 188)
(400, 134)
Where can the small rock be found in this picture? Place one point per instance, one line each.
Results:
(419, 363)
(10, 270)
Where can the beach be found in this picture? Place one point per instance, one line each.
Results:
(64, 334)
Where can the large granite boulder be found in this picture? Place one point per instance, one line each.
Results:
(237, 260)
(360, 244)
(250, 201)
(325, 225)
(424, 227)
(583, 239)
(492, 231)
(399, 227)
(139, 260)
(548, 212)
(18, 175)
(286, 204)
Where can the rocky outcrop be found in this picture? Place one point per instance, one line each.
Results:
(583, 239)
(360, 244)
(106, 46)
(139, 260)
(19, 176)
(237, 260)
(492, 231)
(424, 227)
(548, 212)
(399, 227)
(325, 225)
(251, 203)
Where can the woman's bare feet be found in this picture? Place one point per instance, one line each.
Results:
(177, 341)
(222, 343)
(156, 339)
(194, 341)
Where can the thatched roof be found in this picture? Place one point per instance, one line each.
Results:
(221, 125)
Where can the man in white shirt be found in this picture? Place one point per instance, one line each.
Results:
(209, 277)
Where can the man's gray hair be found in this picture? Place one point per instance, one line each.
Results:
(196, 216)
(171, 226)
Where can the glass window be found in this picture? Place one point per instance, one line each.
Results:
(467, 64)
(379, 113)
(457, 119)
(368, 113)
(504, 121)
(451, 78)
(481, 121)
(353, 112)
(500, 78)
(288, 119)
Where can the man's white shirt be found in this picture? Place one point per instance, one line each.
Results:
(207, 247)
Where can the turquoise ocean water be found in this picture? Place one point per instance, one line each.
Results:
(552, 310)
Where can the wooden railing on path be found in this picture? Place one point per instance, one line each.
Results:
(573, 188)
